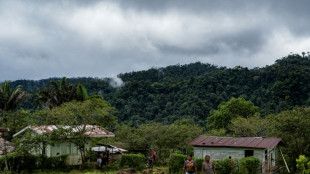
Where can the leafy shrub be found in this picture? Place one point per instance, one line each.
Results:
(136, 161)
(162, 157)
(303, 164)
(249, 164)
(236, 167)
(58, 162)
(225, 166)
(19, 163)
(176, 163)
(112, 166)
(199, 162)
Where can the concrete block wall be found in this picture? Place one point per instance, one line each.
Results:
(218, 153)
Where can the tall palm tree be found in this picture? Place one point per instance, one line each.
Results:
(11, 99)
(60, 93)
(81, 93)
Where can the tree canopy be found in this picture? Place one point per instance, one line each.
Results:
(192, 91)
(227, 111)
(11, 99)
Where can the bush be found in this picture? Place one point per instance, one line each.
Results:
(249, 164)
(225, 166)
(176, 163)
(58, 162)
(18, 163)
(162, 157)
(112, 166)
(199, 162)
(136, 161)
(303, 164)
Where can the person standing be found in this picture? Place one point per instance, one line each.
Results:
(149, 161)
(154, 154)
(189, 166)
(208, 166)
(105, 159)
(99, 160)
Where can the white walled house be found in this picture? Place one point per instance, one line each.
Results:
(63, 147)
(266, 149)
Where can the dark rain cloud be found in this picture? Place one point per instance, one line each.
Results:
(41, 39)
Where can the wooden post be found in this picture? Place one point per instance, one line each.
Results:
(284, 161)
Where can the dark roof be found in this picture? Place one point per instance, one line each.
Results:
(249, 142)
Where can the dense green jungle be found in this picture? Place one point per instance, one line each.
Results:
(193, 90)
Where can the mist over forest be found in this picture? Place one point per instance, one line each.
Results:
(191, 91)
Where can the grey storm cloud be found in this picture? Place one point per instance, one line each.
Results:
(42, 39)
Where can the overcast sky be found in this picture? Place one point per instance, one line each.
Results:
(42, 39)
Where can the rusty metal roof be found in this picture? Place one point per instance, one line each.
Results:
(249, 142)
(90, 130)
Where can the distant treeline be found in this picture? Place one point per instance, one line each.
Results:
(192, 91)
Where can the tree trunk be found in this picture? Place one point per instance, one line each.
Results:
(83, 155)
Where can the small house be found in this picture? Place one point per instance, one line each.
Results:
(64, 147)
(266, 149)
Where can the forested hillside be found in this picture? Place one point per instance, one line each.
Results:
(193, 90)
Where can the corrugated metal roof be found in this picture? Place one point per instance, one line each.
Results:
(90, 130)
(249, 142)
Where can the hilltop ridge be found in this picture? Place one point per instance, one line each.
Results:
(193, 90)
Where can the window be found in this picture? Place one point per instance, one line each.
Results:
(248, 153)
